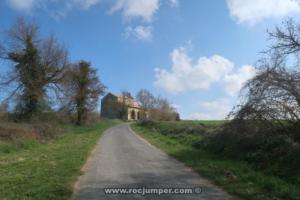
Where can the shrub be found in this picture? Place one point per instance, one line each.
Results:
(12, 131)
(175, 128)
(274, 152)
(42, 126)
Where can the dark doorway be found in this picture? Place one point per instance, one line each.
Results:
(132, 115)
(138, 115)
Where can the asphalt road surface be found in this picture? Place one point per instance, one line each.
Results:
(122, 159)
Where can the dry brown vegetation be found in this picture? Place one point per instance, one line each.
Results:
(156, 108)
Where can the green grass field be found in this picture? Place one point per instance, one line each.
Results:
(204, 122)
(236, 177)
(30, 170)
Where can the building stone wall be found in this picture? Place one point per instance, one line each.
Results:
(119, 107)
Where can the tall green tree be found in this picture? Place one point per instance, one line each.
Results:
(83, 89)
(31, 77)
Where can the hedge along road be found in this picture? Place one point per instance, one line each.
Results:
(125, 166)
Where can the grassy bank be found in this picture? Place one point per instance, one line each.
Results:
(31, 170)
(181, 140)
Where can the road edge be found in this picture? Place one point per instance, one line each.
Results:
(86, 165)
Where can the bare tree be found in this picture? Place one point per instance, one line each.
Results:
(163, 111)
(36, 65)
(287, 38)
(272, 97)
(157, 108)
(146, 99)
(127, 94)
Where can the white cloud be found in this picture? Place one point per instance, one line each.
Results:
(209, 110)
(175, 106)
(186, 76)
(233, 82)
(173, 3)
(143, 33)
(84, 4)
(60, 7)
(253, 11)
(25, 5)
(144, 9)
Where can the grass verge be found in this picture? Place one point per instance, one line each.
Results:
(30, 170)
(236, 177)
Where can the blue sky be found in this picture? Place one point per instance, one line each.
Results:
(196, 53)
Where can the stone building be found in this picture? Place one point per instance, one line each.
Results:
(115, 106)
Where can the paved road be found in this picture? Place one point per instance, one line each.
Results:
(122, 159)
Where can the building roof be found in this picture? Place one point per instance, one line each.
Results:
(130, 102)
